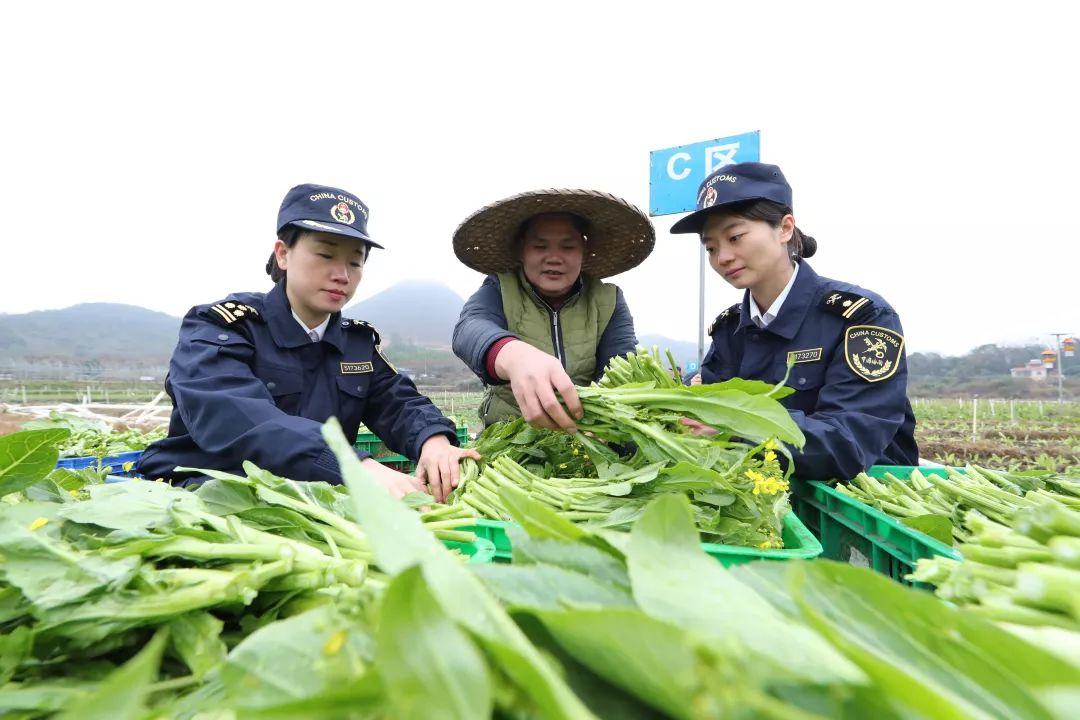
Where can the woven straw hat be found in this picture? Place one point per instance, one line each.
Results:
(620, 236)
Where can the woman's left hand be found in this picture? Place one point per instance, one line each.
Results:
(439, 463)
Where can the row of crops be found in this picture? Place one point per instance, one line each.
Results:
(630, 570)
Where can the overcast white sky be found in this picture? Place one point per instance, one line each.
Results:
(932, 147)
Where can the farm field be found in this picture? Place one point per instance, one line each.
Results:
(1003, 434)
(1010, 435)
(45, 392)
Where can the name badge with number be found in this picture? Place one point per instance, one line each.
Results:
(356, 368)
(801, 356)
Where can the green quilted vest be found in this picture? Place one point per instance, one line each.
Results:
(576, 327)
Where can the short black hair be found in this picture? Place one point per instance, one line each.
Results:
(773, 213)
(290, 235)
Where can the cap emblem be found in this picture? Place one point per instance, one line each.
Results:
(342, 213)
(710, 198)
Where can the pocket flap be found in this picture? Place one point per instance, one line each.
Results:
(280, 381)
(355, 385)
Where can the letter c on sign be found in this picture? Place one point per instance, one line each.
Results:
(685, 157)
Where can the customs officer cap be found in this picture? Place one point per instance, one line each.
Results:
(735, 184)
(321, 208)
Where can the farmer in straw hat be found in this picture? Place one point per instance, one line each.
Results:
(542, 321)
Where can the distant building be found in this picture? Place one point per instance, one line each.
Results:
(1034, 370)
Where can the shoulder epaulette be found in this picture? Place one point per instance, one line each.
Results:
(731, 312)
(355, 324)
(848, 305)
(228, 312)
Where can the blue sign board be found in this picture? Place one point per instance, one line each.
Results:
(675, 173)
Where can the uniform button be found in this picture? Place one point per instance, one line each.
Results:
(359, 388)
(755, 337)
(271, 385)
(802, 381)
(222, 336)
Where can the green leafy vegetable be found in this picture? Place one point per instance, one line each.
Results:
(27, 457)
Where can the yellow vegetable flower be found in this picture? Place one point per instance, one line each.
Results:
(770, 444)
(766, 485)
(770, 456)
(335, 643)
(39, 523)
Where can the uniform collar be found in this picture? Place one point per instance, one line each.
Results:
(789, 318)
(319, 330)
(802, 295)
(769, 315)
(287, 332)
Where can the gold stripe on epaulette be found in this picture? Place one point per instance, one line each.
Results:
(225, 314)
(850, 312)
(378, 349)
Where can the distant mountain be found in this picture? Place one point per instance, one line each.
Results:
(410, 312)
(90, 331)
(413, 312)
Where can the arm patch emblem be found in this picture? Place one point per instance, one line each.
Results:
(872, 352)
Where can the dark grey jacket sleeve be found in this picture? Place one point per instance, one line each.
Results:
(481, 323)
(619, 337)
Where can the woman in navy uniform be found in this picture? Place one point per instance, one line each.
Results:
(255, 376)
(846, 344)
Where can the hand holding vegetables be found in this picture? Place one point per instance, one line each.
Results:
(536, 377)
(635, 444)
(396, 483)
(438, 465)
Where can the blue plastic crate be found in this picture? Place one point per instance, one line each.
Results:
(121, 464)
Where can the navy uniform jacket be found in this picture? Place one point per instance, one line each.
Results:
(849, 377)
(248, 384)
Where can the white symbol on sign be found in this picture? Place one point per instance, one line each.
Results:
(718, 156)
(685, 157)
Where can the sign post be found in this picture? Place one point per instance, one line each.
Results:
(674, 176)
(1070, 346)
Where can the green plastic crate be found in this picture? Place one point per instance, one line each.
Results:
(370, 443)
(853, 532)
(494, 531)
(799, 543)
(480, 551)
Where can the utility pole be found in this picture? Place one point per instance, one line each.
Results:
(1061, 370)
